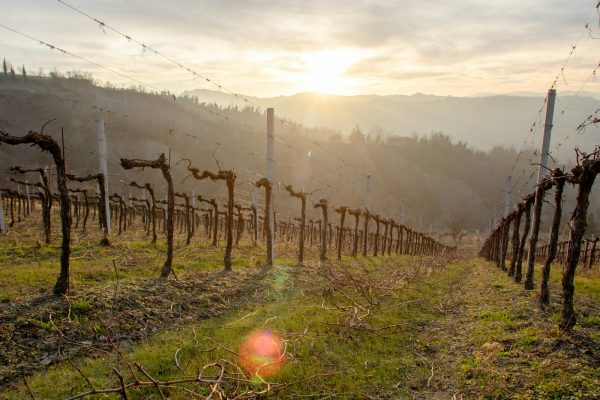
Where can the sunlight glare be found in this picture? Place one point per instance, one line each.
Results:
(325, 72)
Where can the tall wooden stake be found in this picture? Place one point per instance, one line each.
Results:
(271, 173)
(539, 193)
(104, 170)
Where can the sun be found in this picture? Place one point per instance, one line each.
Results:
(324, 72)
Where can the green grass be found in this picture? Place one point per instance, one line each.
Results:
(27, 269)
(558, 365)
(587, 282)
(359, 362)
(484, 336)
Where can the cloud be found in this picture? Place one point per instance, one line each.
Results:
(244, 43)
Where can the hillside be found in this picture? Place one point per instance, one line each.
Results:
(443, 182)
(483, 122)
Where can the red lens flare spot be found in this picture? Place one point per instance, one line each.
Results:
(262, 354)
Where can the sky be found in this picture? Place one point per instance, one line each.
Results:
(271, 48)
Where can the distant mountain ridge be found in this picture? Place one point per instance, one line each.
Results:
(482, 121)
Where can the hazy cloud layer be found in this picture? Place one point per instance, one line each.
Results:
(269, 48)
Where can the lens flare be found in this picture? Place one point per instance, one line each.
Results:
(262, 354)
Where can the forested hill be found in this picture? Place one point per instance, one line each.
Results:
(483, 121)
(443, 182)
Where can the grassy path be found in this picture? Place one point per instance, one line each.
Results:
(492, 341)
(386, 327)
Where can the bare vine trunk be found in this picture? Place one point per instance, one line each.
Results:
(585, 176)
(46, 143)
(552, 246)
(519, 266)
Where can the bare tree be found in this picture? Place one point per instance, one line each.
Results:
(456, 230)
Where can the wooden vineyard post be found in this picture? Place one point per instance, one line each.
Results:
(102, 158)
(271, 177)
(47, 144)
(322, 204)
(160, 163)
